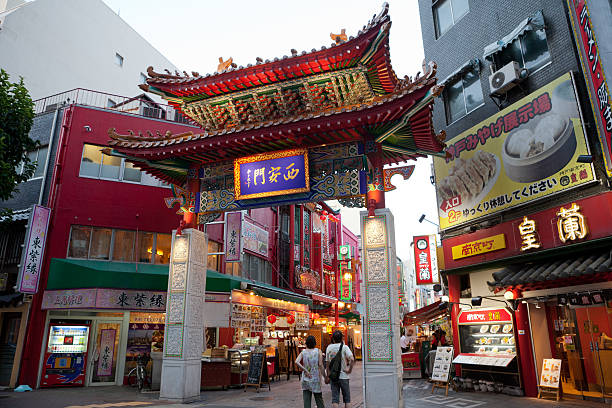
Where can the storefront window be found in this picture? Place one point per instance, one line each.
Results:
(123, 246)
(145, 246)
(162, 248)
(79, 242)
(100, 243)
(91, 160)
(213, 260)
(232, 268)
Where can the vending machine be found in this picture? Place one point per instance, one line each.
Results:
(66, 355)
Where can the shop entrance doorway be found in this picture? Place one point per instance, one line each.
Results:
(104, 352)
(583, 340)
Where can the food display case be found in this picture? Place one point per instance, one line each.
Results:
(239, 365)
(488, 343)
(65, 356)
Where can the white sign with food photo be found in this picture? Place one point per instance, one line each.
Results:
(526, 152)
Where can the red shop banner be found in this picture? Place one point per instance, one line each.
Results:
(477, 316)
(426, 260)
(594, 74)
(565, 224)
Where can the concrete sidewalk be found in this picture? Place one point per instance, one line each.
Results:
(283, 393)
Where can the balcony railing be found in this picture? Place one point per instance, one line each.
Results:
(139, 106)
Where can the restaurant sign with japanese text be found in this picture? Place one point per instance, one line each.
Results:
(271, 174)
(526, 152)
(426, 260)
(595, 77)
(479, 246)
(32, 257)
(233, 236)
(102, 298)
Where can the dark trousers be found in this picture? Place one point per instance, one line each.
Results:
(308, 399)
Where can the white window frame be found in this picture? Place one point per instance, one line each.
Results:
(433, 7)
(112, 243)
(446, 104)
(520, 40)
(21, 165)
(121, 172)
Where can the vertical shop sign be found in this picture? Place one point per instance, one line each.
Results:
(346, 282)
(426, 260)
(107, 352)
(32, 257)
(233, 237)
(307, 232)
(597, 86)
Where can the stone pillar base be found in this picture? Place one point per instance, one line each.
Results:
(181, 380)
(383, 385)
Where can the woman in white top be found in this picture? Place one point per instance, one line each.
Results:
(310, 361)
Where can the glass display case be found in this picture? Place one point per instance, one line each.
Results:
(487, 338)
(239, 365)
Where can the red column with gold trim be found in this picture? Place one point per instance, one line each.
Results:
(454, 296)
(528, 370)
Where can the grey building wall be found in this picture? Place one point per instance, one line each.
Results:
(489, 21)
(28, 193)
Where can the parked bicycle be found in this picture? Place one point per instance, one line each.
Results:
(138, 375)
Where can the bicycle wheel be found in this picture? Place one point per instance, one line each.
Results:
(131, 378)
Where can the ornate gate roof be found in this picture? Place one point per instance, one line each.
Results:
(344, 93)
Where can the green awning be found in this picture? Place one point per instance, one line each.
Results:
(85, 273)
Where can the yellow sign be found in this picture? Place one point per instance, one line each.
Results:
(528, 232)
(526, 152)
(480, 246)
(571, 224)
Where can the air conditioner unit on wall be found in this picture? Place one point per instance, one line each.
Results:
(505, 78)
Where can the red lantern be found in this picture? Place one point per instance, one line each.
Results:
(290, 319)
(272, 319)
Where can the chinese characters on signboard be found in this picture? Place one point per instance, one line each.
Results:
(596, 81)
(346, 282)
(255, 238)
(571, 226)
(526, 152)
(271, 174)
(479, 246)
(233, 237)
(32, 258)
(100, 298)
(529, 237)
(426, 260)
(107, 352)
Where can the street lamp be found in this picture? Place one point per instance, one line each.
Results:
(422, 218)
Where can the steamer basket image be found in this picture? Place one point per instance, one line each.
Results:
(535, 154)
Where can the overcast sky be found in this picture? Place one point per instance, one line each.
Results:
(193, 34)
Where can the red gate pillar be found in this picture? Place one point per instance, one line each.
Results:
(527, 366)
(190, 218)
(454, 296)
(375, 195)
(292, 246)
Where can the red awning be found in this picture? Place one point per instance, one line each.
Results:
(320, 297)
(424, 314)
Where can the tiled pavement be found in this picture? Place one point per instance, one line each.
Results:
(285, 394)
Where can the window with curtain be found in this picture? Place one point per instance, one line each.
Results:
(213, 260)
(447, 13)
(123, 246)
(530, 50)
(119, 245)
(463, 96)
(233, 268)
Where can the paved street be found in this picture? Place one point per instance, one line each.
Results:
(287, 394)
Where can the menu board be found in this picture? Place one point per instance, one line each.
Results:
(442, 364)
(483, 359)
(302, 321)
(258, 319)
(551, 372)
(241, 316)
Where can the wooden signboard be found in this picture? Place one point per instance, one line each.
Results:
(441, 368)
(549, 378)
(258, 371)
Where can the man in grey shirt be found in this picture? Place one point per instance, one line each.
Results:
(347, 366)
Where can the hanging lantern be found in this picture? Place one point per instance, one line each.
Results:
(290, 319)
(272, 319)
